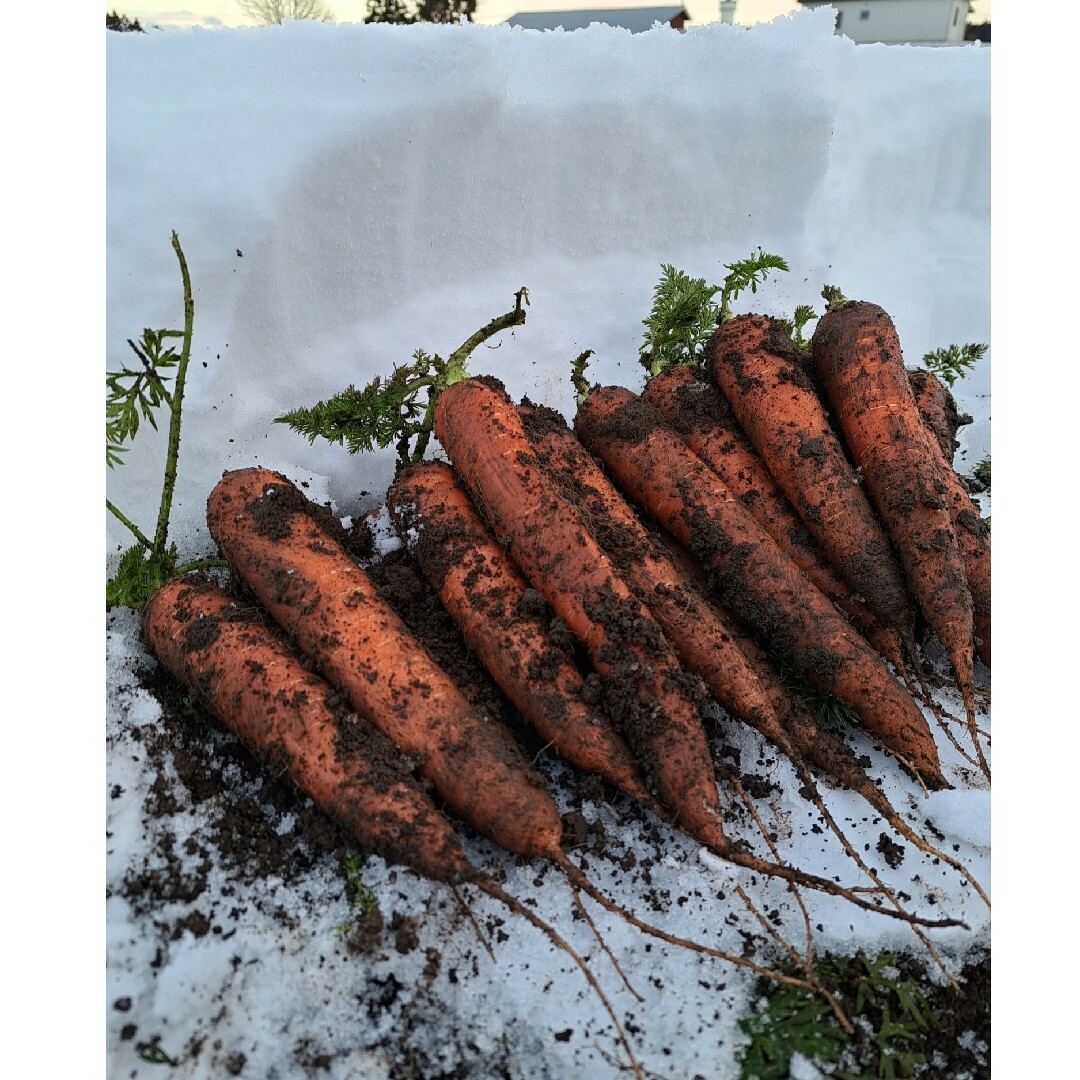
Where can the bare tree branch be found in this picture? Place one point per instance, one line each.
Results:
(270, 12)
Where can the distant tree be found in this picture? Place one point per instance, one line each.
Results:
(414, 11)
(123, 24)
(271, 12)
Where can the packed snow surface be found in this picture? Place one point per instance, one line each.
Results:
(345, 195)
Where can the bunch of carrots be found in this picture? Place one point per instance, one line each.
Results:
(771, 509)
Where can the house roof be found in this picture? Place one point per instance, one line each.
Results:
(635, 19)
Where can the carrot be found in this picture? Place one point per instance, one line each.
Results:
(703, 417)
(506, 622)
(259, 686)
(708, 640)
(939, 413)
(973, 539)
(704, 643)
(310, 586)
(401, 583)
(656, 701)
(283, 548)
(667, 581)
(479, 427)
(705, 638)
(753, 361)
(938, 409)
(755, 580)
(857, 357)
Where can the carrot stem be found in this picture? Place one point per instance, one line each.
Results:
(175, 406)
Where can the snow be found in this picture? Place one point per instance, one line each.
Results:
(347, 194)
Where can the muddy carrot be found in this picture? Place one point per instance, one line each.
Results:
(657, 702)
(859, 364)
(753, 361)
(506, 622)
(267, 530)
(257, 684)
(260, 688)
(702, 415)
(754, 579)
(703, 642)
(937, 408)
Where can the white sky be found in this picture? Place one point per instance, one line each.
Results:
(227, 13)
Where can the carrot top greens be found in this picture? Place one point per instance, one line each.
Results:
(397, 410)
(685, 311)
(131, 394)
(954, 361)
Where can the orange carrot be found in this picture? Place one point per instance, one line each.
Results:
(259, 686)
(939, 413)
(703, 642)
(938, 409)
(480, 428)
(307, 582)
(708, 640)
(283, 548)
(755, 580)
(754, 362)
(703, 417)
(657, 702)
(857, 358)
(506, 622)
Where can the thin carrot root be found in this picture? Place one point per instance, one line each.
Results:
(921, 693)
(890, 814)
(852, 853)
(496, 892)
(600, 940)
(461, 902)
(577, 878)
(830, 754)
(811, 977)
(733, 781)
(812, 881)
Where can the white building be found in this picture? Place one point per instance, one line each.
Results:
(899, 22)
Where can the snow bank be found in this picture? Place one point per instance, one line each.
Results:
(347, 194)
